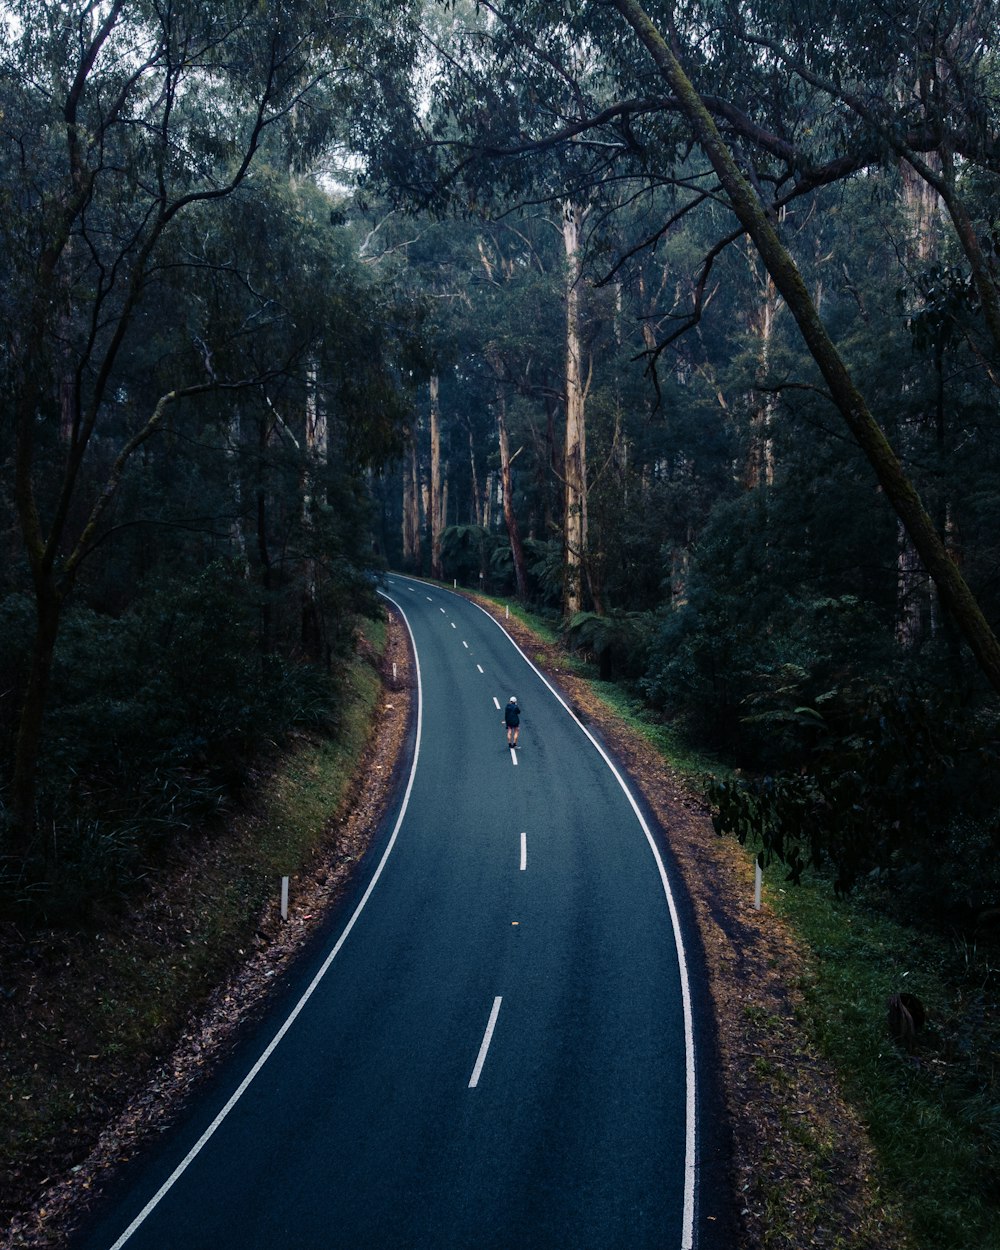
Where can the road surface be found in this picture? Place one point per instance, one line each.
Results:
(497, 1047)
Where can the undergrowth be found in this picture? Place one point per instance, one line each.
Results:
(96, 1004)
(933, 1111)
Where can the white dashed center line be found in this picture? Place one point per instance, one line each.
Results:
(496, 702)
(524, 851)
(480, 667)
(488, 1037)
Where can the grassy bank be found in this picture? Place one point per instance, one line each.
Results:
(93, 1007)
(932, 1112)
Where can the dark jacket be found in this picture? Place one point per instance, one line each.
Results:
(512, 715)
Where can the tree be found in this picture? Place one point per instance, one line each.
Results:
(621, 132)
(753, 217)
(120, 122)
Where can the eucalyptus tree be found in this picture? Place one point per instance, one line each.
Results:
(756, 107)
(121, 120)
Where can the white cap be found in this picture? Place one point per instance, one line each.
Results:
(512, 699)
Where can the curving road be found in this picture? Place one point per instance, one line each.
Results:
(496, 1049)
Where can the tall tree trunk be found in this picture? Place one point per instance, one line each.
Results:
(411, 500)
(263, 547)
(234, 441)
(575, 459)
(551, 518)
(476, 506)
(435, 509)
(915, 593)
(899, 490)
(509, 515)
(317, 450)
(760, 461)
(489, 499)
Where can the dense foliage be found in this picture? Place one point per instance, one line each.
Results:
(747, 564)
(213, 367)
(198, 373)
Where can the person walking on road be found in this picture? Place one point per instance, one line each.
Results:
(512, 719)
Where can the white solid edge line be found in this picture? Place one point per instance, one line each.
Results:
(687, 1229)
(203, 1140)
(524, 851)
(487, 1038)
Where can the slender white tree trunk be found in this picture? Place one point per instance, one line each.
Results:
(510, 517)
(575, 460)
(234, 441)
(436, 501)
(317, 452)
(411, 500)
(476, 517)
(916, 598)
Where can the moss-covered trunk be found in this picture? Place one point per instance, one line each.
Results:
(899, 490)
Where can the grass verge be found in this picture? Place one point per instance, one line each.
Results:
(95, 1007)
(932, 1112)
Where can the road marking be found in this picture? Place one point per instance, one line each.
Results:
(453, 625)
(487, 1038)
(690, 1131)
(293, 1015)
(465, 645)
(513, 756)
(480, 667)
(497, 702)
(441, 610)
(430, 600)
(524, 851)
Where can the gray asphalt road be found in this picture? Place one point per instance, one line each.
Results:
(496, 1049)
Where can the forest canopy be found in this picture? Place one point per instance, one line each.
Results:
(680, 323)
